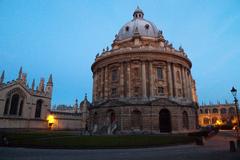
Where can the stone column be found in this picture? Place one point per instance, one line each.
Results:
(144, 90)
(150, 79)
(95, 86)
(183, 82)
(190, 86)
(121, 81)
(129, 78)
(102, 83)
(106, 83)
(173, 80)
(170, 85)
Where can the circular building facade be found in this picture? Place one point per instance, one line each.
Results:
(142, 84)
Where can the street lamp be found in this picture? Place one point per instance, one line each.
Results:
(234, 93)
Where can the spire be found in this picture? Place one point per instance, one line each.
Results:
(50, 80)
(138, 13)
(85, 98)
(2, 77)
(20, 73)
(76, 106)
(41, 85)
(33, 84)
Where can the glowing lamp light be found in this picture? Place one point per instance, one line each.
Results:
(50, 119)
(219, 122)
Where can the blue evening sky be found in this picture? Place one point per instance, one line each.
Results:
(62, 37)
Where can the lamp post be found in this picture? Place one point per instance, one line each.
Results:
(234, 93)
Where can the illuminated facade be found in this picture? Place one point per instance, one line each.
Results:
(217, 115)
(142, 83)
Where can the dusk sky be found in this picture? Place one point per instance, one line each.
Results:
(62, 37)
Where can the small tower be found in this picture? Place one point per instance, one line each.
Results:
(49, 86)
(20, 73)
(33, 84)
(76, 106)
(138, 13)
(24, 78)
(41, 85)
(2, 77)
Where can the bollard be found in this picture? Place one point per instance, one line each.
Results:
(199, 141)
(232, 146)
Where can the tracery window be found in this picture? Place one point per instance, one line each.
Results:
(38, 108)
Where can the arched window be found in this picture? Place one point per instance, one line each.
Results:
(38, 108)
(185, 120)
(206, 121)
(206, 110)
(201, 111)
(223, 111)
(114, 75)
(231, 110)
(214, 120)
(6, 106)
(215, 110)
(136, 119)
(14, 104)
(178, 76)
(159, 73)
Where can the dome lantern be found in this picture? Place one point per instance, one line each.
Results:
(138, 13)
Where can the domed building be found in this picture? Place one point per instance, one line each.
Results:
(142, 84)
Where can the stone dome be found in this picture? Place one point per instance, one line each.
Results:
(138, 26)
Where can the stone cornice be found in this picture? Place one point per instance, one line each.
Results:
(143, 54)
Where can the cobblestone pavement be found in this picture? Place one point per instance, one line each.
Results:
(215, 148)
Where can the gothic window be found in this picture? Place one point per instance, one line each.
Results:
(178, 76)
(160, 90)
(6, 106)
(185, 120)
(159, 73)
(14, 104)
(114, 75)
(38, 108)
(223, 111)
(114, 92)
(215, 110)
(21, 108)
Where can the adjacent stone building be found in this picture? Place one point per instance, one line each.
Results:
(217, 114)
(142, 83)
(22, 106)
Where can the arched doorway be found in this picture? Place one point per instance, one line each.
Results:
(136, 120)
(165, 121)
(111, 116)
